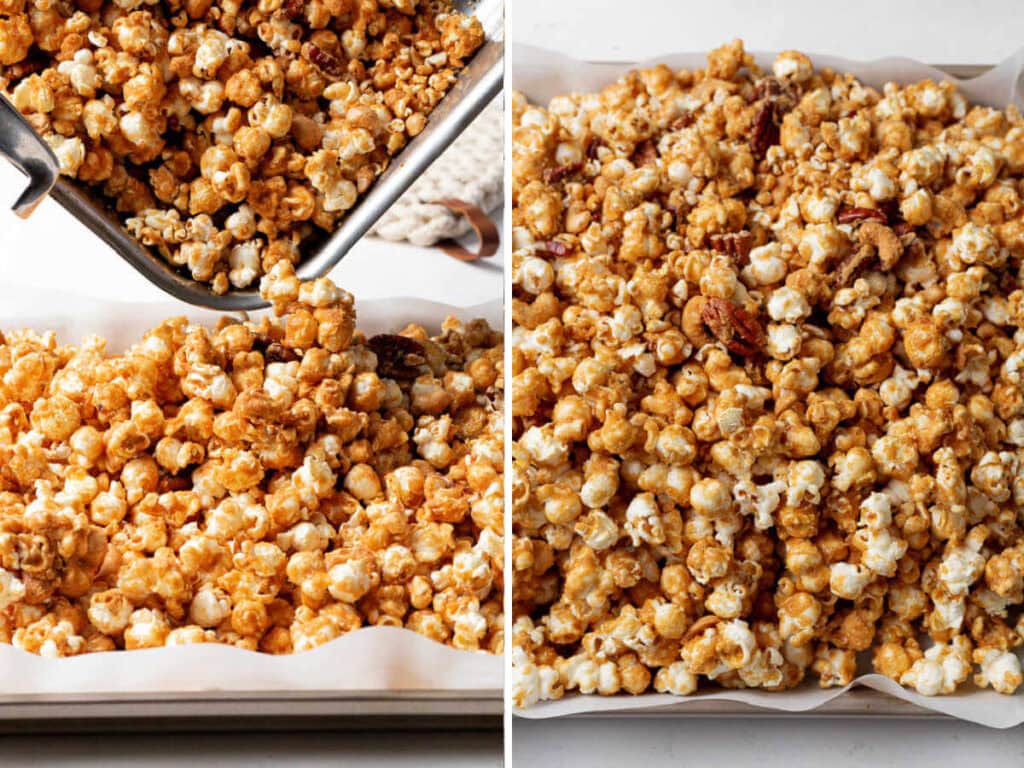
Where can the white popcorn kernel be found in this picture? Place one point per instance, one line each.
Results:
(882, 550)
(975, 244)
(12, 589)
(543, 446)
(961, 566)
(70, 153)
(943, 667)
(643, 520)
(766, 265)
(784, 341)
(244, 263)
(876, 511)
(999, 669)
(792, 65)
(675, 679)
(805, 480)
(349, 581)
(847, 580)
(209, 608)
(787, 305)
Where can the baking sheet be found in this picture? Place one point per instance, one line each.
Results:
(365, 664)
(474, 88)
(541, 75)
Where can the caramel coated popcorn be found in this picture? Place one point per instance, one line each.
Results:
(271, 484)
(767, 387)
(225, 133)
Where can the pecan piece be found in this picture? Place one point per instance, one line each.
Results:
(293, 9)
(398, 357)
(554, 248)
(880, 247)
(170, 483)
(327, 63)
(700, 626)
(734, 244)
(559, 172)
(883, 240)
(645, 153)
(279, 353)
(851, 215)
(765, 132)
(685, 120)
(733, 326)
(853, 265)
(776, 99)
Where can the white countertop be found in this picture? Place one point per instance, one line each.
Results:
(366, 749)
(935, 31)
(929, 30)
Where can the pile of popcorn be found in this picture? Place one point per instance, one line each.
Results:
(225, 132)
(768, 384)
(271, 484)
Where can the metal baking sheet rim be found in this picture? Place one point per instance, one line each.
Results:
(269, 704)
(856, 703)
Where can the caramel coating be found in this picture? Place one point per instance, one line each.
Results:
(265, 484)
(767, 360)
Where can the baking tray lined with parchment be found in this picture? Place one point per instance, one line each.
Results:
(542, 75)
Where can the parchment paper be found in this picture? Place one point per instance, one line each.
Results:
(541, 75)
(368, 659)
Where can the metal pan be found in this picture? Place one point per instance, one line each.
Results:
(476, 86)
(224, 710)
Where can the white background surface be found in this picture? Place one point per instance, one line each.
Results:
(937, 32)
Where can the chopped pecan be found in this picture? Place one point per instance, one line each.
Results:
(733, 326)
(853, 265)
(880, 248)
(554, 248)
(327, 63)
(685, 120)
(883, 240)
(293, 9)
(734, 244)
(903, 228)
(279, 353)
(852, 215)
(559, 172)
(398, 357)
(170, 483)
(784, 94)
(700, 626)
(645, 153)
(765, 132)
(776, 99)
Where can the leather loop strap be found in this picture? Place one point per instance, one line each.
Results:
(485, 228)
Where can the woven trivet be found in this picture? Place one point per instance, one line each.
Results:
(469, 171)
